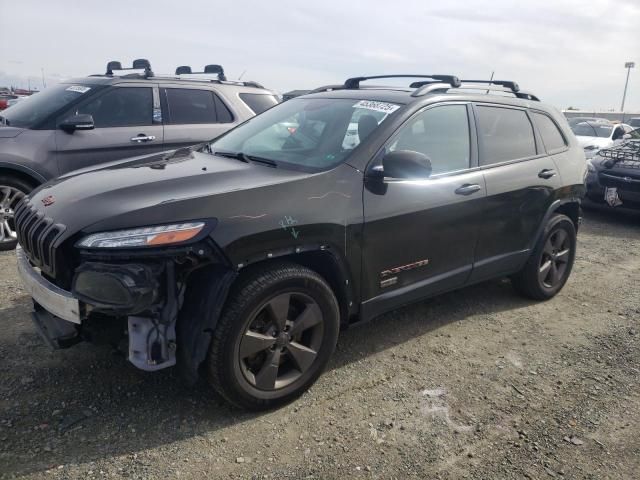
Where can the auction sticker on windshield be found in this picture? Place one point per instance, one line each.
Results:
(377, 106)
(78, 88)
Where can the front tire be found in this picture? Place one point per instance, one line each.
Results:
(275, 336)
(12, 190)
(550, 264)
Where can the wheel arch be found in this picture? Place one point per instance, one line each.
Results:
(566, 206)
(24, 173)
(327, 263)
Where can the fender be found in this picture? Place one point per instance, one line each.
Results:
(325, 259)
(35, 176)
(553, 208)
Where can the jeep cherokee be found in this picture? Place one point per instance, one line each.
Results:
(133, 113)
(242, 258)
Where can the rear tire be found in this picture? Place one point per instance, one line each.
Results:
(276, 334)
(550, 264)
(12, 190)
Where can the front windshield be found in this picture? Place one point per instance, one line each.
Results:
(589, 129)
(307, 133)
(33, 110)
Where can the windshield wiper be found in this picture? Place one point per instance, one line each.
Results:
(243, 157)
(264, 161)
(237, 155)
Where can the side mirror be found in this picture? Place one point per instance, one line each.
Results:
(626, 136)
(406, 164)
(82, 121)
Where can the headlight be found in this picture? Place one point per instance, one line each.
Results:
(143, 237)
(591, 147)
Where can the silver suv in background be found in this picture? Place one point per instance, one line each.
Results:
(102, 118)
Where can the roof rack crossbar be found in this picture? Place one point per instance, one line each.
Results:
(138, 64)
(354, 83)
(430, 87)
(208, 70)
(511, 85)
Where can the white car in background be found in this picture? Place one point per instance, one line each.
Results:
(593, 136)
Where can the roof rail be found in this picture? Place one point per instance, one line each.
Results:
(326, 88)
(354, 83)
(138, 64)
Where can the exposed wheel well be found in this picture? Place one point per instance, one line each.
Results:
(571, 210)
(9, 172)
(327, 266)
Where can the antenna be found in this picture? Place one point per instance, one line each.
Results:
(490, 80)
(242, 74)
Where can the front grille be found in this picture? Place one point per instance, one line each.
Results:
(38, 234)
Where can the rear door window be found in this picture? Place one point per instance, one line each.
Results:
(549, 131)
(189, 106)
(121, 107)
(258, 102)
(504, 134)
(222, 111)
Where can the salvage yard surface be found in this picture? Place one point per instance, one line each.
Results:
(478, 383)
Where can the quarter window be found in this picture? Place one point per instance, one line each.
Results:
(504, 134)
(551, 136)
(440, 133)
(121, 107)
(258, 102)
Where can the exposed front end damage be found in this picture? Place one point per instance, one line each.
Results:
(163, 302)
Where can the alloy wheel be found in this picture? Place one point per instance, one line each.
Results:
(9, 198)
(555, 259)
(281, 341)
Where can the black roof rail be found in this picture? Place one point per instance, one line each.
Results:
(138, 64)
(354, 83)
(326, 88)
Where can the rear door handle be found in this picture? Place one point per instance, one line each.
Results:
(547, 173)
(143, 138)
(468, 189)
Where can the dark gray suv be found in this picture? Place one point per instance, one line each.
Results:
(241, 259)
(101, 118)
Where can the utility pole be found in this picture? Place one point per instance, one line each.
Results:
(44, 84)
(628, 66)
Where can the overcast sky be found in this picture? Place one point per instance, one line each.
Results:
(569, 52)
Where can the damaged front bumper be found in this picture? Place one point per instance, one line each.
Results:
(63, 318)
(53, 299)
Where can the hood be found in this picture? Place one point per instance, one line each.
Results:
(10, 132)
(599, 142)
(162, 188)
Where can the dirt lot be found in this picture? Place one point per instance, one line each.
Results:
(474, 384)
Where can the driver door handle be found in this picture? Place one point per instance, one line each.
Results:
(468, 189)
(143, 138)
(547, 173)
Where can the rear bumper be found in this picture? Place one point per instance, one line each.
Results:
(53, 299)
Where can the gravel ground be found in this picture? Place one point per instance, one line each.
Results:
(478, 383)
